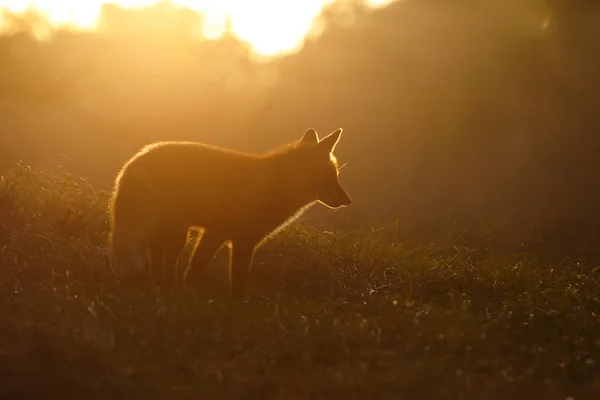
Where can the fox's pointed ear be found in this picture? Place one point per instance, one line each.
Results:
(329, 142)
(310, 137)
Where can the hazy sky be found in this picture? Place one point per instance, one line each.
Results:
(271, 26)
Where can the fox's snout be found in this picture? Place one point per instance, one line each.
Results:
(347, 201)
(337, 197)
(344, 198)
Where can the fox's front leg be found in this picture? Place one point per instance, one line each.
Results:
(239, 268)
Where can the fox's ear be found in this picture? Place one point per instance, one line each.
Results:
(329, 142)
(310, 137)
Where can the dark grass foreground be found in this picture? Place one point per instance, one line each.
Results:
(330, 316)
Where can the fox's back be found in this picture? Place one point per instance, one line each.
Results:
(195, 181)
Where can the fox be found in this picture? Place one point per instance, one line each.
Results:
(233, 198)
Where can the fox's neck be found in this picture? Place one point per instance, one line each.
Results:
(286, 196)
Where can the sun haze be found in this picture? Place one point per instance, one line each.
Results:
(270, 26)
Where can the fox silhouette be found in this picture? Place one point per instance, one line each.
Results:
(233, 197)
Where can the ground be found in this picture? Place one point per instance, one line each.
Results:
(330, 315)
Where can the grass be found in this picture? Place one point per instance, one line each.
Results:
(330, 316)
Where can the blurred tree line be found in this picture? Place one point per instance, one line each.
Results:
(471, 116)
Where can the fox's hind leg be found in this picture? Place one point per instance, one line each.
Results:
(202, 254)
(130, 256)
(165, 247)
(239, 268)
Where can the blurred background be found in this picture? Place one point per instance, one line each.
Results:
(474, 119)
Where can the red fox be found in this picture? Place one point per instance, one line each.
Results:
(236, 198)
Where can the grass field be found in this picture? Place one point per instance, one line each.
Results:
(330, 316)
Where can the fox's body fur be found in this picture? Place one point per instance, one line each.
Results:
(169, 187)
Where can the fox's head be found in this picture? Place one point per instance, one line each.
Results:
(320, 169)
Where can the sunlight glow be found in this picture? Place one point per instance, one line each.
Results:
(270, 26)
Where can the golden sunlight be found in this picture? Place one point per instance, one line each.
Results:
(270, 26)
